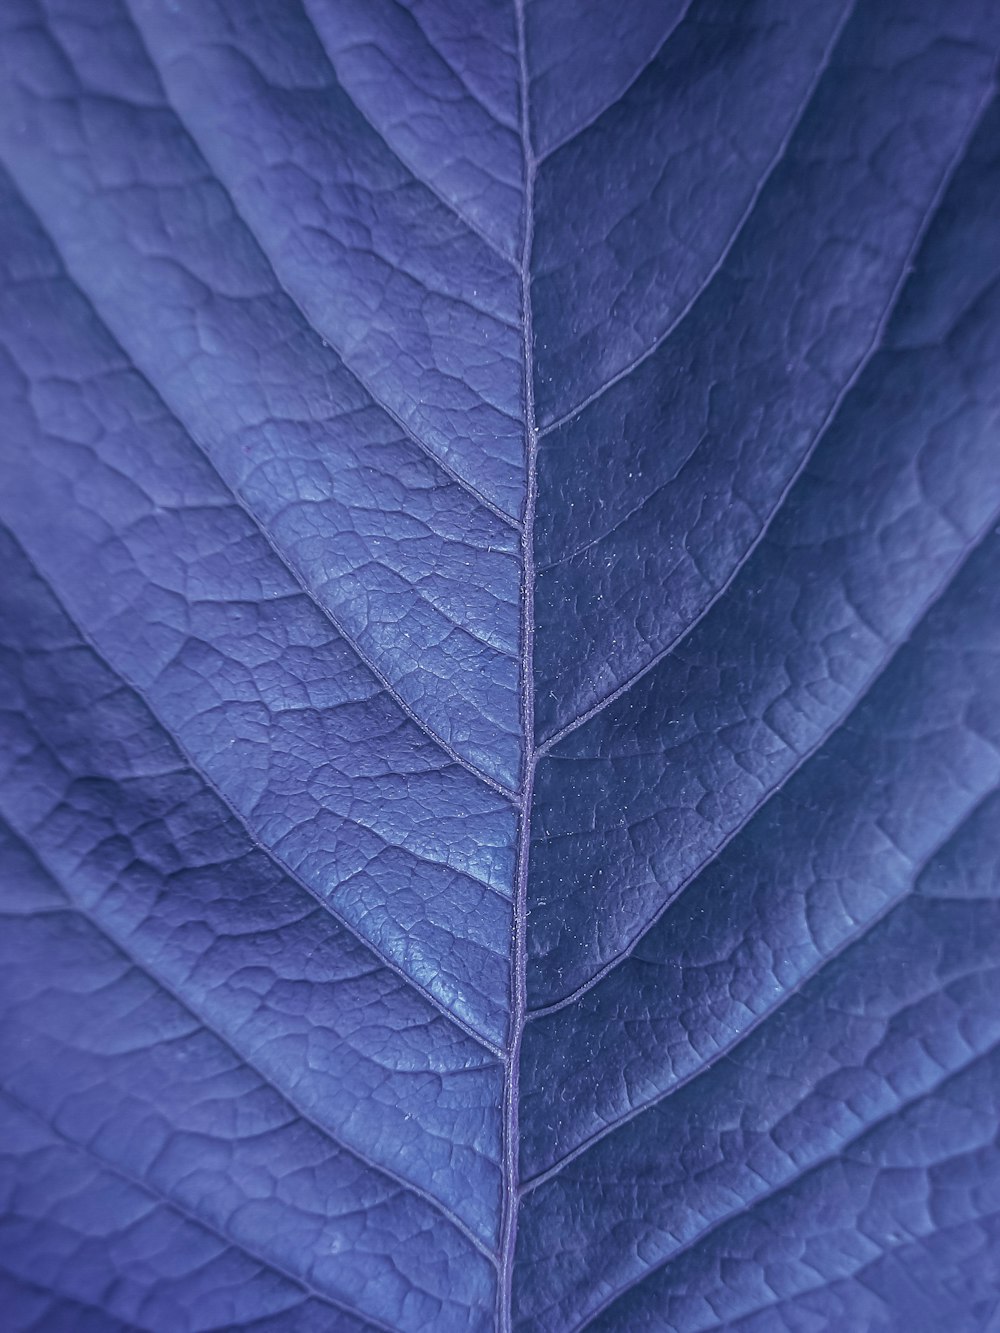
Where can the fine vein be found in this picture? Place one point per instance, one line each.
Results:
(447, 203)
(742, 1035)
(948, 1076)
(389, 411)
(741, 221)
(286, 562)
(479, 1038)
(182, 1210)
(879, 670)
(134, 961)
(846, 389)
(624, 90)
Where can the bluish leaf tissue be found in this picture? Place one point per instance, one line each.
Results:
(500, 656)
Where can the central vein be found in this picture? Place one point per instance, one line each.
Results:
(518, 1000)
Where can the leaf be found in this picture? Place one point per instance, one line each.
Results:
(499, 786)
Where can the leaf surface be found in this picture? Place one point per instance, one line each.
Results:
(499, 640)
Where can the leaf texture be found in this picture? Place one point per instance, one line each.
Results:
(500, 772)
